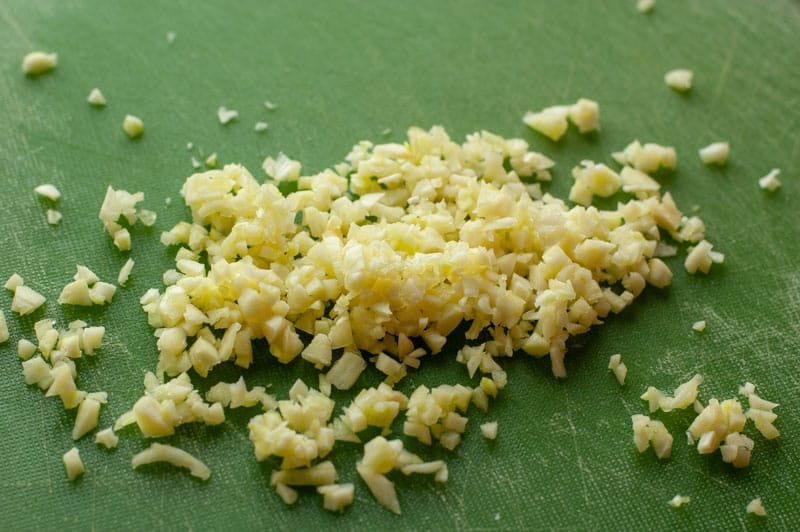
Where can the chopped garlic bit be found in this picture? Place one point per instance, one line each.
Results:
(684, 396)
(647, 157)
(73, 463)
(715, 423)
(133, 126)
(96, 98)
(269, 106)
(552, 121)
(48, 191)
(165, 405)
(158, 452)
(226, 115)
(4, 335)
(236, 395)
(53, 217)
(88, 414)
(25, 348)
(618, 367)
(336, 497)
(645, 6)
(647, 431)
(715, 153)
(756, 507)
(770, 181)
(701, 256)
(86, 290)
(211, 160)
(122, 204)
(593, 179)
(125, 272)
(489, 430)
(261, 126)
(171, 36)
(106, 438)
(14, 282)
(679, 79)
(761, 412)
(699, 326)
(39, 62)
(26, 300)
(282, 168)
(679, 500)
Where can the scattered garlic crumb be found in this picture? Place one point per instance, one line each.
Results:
(189, 145)
(282, 169)
(39, 62)
(679, 500)
(96, 98)
(336, 497)
(171, 36)
(645, 6)
(489, 430)
(770, 181)
(25, 349)
(261, 126)
(4, 335)
(699, 326)
(756, 507)
(48, 191)
(88, 414)
(269, 106)
(107, 438)
(124, 272)
(550, 122)
(196, 164)
(618, 367)
(715, 153)
(226, 115)
(684, 396)
(26, 300)
(54, 217)
(73, 463)
(386, 132)
(13, 282)
(158, 452)
(133, 126)
(211, 160)
(679, 79)
(647, 431)
(701, 256)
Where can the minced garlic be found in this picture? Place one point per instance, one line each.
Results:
(756, 507)
(699, 326)
(48, 191)
(679, 79)
(4, 335)
(618, 367)
(679, 500)
(133, 126)
(39, 62)
(73, 463)
(96, 98)
(125, 272)
(715, 153)
(489, 430)
(770, 181)
(158, 452)
(107, 438)
(226, 115)
(26, 300)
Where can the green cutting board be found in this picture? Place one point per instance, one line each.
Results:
(345, 71)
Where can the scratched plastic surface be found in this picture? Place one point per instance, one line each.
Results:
(345, 71)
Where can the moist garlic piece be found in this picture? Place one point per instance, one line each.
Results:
(715, 423)
(715, 153)
(684, 396)
(158, 452)
(281, 169)
(701, 256)
(96, 98)
(345, 371)
(48, 191)
(679, 500)
(647, 157)
(106, 438)
(4, 335)
(770, 181)
(550, 121)
(125, 272)
(53, 217)
(269, 106)
(645, 6)
(647, 431)
(585, 114)
(336, 497)
(226, 115)
(260, 126)
(756, 507)
(26, 300)
(133, 126)
(236, 395)
(73, 463)
(14, 282)
(593, 179)
(39, 62)
(737, 449)
(165, 405)
(375, 407)
(679, 79)
(489, 430)
(25, 348)
(699, 326)
(116, 204)
(618, 367)
(88, 414)
(86, 289)
(761, 412)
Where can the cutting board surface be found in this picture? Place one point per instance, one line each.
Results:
(345, 71)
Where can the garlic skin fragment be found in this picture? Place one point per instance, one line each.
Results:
(158, 452)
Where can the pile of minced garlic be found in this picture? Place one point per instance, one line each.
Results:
(376, 262)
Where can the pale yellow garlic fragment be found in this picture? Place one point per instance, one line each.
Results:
(647, 431)
(88, 414)
(699, 326)
(106, 438)
(158, 452)
(4, 335)
(489, 430)
(618, 367)
(679, 500)
(73, 463)
(26, 300)
(48, 191)
(756, 507)
(715, 153)
(132, 126)
(770, 181)
(96, 98)
(679, 79)
(336, 497)
(645, 6)
(39, 62)
(550, 122)
(14, 282)
(125, 272)
(25, 348)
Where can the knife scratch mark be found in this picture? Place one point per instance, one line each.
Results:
(581, 468)
(724, 73)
